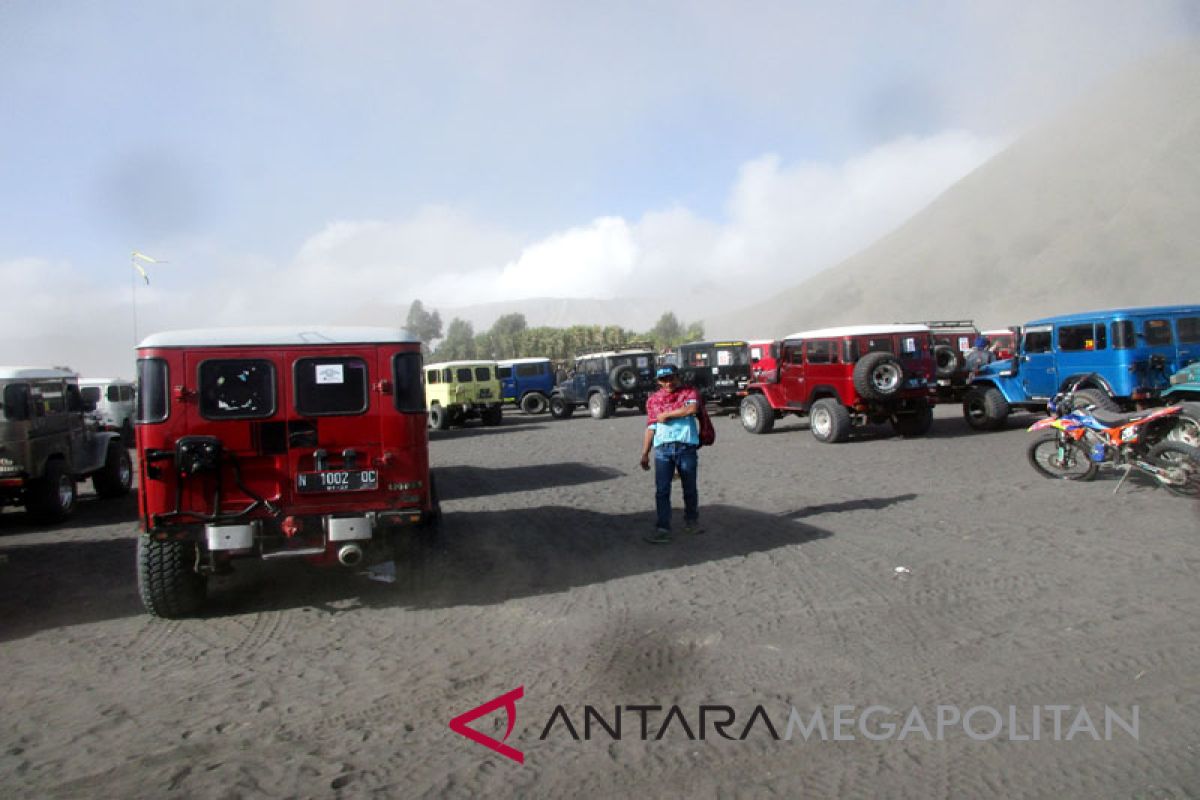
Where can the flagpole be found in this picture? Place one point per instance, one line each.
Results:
(133, 298)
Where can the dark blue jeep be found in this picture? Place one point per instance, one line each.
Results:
(526, 383)
(1125, 358)
(604, 381)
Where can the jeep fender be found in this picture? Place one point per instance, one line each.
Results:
(1091, 380)
(772, 391)
(1008, 390)
(97, 452)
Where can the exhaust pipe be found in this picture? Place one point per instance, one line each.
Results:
(350, 555)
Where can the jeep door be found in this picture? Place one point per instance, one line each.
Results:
(1038, 372)
(824, 374)
(1160, 353)
(1187, 340)
(791, 375)
(1083, 347)
(509, 392)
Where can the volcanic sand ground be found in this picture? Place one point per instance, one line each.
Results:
(311, 683)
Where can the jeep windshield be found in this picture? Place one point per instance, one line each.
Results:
(637, 360)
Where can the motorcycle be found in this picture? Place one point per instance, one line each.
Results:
(1085, 439)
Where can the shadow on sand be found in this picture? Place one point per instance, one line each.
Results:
(455, 482)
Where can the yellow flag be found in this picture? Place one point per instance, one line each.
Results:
(136, 260)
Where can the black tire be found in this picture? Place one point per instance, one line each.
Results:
(115, 478)
(439, 417)
(757, 414)
(1095, 397)
(985, 409)
(599, 406)
(829, 421)
(168, 582)
(534, 403)
(560, 408)
(492, 416)
(1065, 459)
(917, 423)
(52, 498)
(946, 361)
(1178, 456)
(623, 378)
(1186, 427)
(878, 376)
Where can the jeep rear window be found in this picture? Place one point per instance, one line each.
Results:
(431, 376)
(483, 373)
(1122, 335)
(152, 390)
(463, 375)
(406, 374)
(733, 356)
(529, 370)
(1074, 338)
(1158, 331)
(113, 394)
(16, 401)
(821, 352)
(327, 386)
(1188, 329)
(506, 372)
(242, 388)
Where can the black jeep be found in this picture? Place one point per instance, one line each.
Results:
(718, 370)
(606, 380)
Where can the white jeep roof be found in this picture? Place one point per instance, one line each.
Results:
(17, 373)
(475, 363)
(281, 335)
(859, 330)
(102, 381)
(637, 351)
(506, 361)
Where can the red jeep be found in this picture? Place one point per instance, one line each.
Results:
(842, 377)
(277, 443)
(764, 355)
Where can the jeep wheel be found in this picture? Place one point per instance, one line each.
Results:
(1186, 429)
(985, 409)
(116, 476)
(560, 408)
(947, 360)
(52, 499)
(757, 414)
(492, 416)
(623, 378)
(878, 376)
(599, 406)
(168, 582)
(439, 417)
(1095, 397)
(534, 403)
(917, 423)
(829, 421)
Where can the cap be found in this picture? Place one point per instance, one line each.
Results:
(981, 341)
(666, 371)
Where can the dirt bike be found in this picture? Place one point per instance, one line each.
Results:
(1085, 439)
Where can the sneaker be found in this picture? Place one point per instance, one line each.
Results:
(660, 536)
(692, 527)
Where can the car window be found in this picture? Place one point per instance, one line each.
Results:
(881, 344)
(330, 385)
(483, 373)
(1188, 329)
(242, 388)
(152, 390)
(406, 374)
(1122, 334)
(530, 370)
(1037, 341)
(503, 373)
(16, 401)
(48, 398)
(113, 394)
(432, 376)
(821, 352)
(733, 356)
(1073, 338)
(447, 375)
(90, 394)
(126, 394)
(1157, 331)
(910, 346)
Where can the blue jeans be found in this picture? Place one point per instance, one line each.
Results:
(670, 458)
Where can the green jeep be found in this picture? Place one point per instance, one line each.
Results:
(456, 391)
(47, 444)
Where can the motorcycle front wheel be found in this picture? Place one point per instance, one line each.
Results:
(1065, 459)
(1182, 464)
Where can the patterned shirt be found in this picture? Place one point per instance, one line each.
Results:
(678, 429)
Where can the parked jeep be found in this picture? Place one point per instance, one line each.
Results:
(952, 340)
(1125, 358)
(47, 444)
(113, 401)
(604, 381)
(456, 391)
(846, 377)
(275, 443)
(526, 383)
(719, 370)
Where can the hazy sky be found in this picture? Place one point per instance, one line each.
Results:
(297, 161)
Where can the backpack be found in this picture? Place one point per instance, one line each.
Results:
(708, 434)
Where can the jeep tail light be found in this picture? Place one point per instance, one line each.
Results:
(291, 526)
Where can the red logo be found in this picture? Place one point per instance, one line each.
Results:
(508, 701)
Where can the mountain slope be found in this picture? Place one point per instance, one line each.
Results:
(1098, 208)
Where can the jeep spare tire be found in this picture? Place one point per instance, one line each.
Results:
(878, 376)
(946, 360)
(623, 378)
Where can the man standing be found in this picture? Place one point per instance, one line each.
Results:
(673, 430)
(978, 356)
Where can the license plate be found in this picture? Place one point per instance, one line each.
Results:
(338, 480)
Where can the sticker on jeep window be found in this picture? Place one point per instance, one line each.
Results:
(330, 373)
(724, 358)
